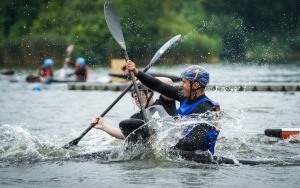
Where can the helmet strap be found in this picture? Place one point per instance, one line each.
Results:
(148, 98)
(193, 91)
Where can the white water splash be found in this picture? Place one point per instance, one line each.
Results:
(18, 141)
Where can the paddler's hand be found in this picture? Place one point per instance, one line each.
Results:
(130, 66)
(42, 79)
(98, 123)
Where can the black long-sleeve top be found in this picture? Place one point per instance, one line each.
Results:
(172, 92)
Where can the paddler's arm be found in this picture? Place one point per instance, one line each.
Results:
(152, 82)
(192, 142)
(113, 131)
(167, 81)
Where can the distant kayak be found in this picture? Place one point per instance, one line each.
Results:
(283, 133)
(7, 73)
(35, 79)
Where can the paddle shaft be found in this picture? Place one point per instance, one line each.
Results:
(137, 90)
(69, 50)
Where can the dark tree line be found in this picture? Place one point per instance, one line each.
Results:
(211, 30)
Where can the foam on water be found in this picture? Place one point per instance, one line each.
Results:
(18, 142)
(21, 144)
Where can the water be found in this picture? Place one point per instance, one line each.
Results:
(34, 125)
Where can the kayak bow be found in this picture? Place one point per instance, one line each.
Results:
(283, 133)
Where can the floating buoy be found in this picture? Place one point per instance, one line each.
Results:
(283, 133)
(37, 88)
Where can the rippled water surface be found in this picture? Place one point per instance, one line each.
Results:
(34, 125)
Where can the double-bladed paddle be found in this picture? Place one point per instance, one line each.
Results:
(156, 56)
(63, 71)
(114, 27)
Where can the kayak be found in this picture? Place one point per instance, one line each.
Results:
(35, 79)
(283, 133)
(141, 140)
(207, 158)
(102, 156)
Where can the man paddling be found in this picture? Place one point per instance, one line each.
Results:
(136, 120)
(192, 98)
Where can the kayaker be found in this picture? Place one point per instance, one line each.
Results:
(45, 72)
(192, 98)
(81, 69)
(136, 120)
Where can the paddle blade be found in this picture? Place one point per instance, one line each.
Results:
(156, 112)
(166, 46)
(113, 23)
(162, 50)
(72, 143)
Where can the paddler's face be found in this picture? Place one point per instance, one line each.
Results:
(185, 87)
(136, 100)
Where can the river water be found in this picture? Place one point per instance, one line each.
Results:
(34, 125)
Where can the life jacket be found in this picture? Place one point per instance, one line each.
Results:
(211, 135)
(81, 73)
(186, 109)
(46, 72)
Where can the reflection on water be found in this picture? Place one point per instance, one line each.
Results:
(34, 125)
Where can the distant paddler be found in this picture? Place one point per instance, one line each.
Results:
(45, 73)
(81, 69)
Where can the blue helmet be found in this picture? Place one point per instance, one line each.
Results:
(48, 62)
(81, 61)
(196, 73)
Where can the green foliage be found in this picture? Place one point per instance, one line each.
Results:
(265, 25)
(82, 22)
(33, 49)
(33, 30)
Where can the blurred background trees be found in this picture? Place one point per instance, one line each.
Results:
(211, 30)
